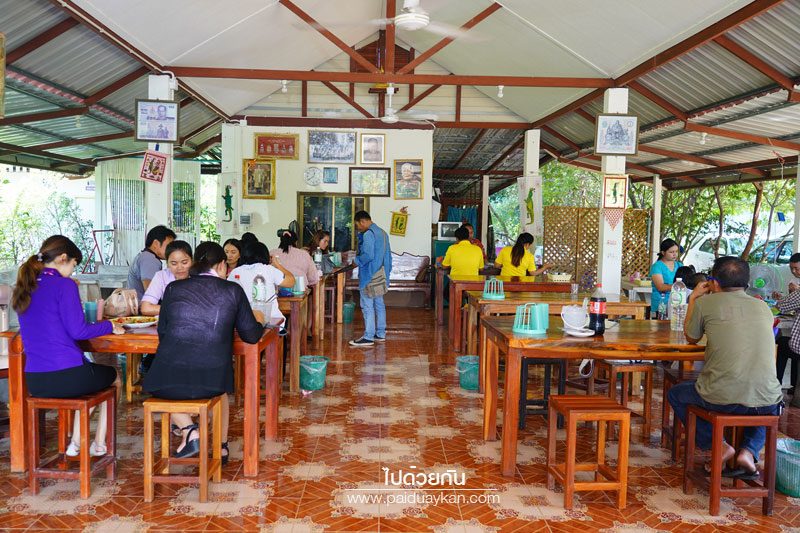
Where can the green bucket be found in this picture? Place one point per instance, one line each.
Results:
(787, 467)
(312, 371)
(348, 310)
(467, 368)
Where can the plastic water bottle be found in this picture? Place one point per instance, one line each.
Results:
(678, 304)
(661, 313)
(597, 311)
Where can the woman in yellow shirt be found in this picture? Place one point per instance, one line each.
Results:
(517, 260)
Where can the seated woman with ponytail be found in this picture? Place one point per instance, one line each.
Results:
(51, 321)
(295, 260)
(517, 260)
(195, 341)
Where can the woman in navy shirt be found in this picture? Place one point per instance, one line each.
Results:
(51, 322)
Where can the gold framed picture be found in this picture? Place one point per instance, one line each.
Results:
(408, 179)
(615, 191)
(276, 146)
(399, 223)
(258, 179)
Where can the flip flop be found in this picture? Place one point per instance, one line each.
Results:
(748, 476)
(733, 472)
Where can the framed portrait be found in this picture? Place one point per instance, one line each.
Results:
(373, 146)
(408, 179)
(276, 146)
(154, 166)
(615, 191)
(332, 147)
(616, 135)
(370, 181)
(446, 231)
(258, 179)
(330, 175)
(399, 223)
(156, 121)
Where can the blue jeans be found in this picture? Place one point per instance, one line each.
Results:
(684, 394)
(373, 308)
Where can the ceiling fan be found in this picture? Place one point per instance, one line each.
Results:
(413, 17)
(391, 117)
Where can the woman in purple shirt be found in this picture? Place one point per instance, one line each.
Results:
(51, 320)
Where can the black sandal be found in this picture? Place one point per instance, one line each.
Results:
(192, 447)
(227, 454)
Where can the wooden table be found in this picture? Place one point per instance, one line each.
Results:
(460, 284)
(297, 309)
(634, 290)
(340, 277)
(632, 339)
(479, 306)
(317, 308)
(146, 341)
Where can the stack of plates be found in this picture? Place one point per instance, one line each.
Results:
(582, 332)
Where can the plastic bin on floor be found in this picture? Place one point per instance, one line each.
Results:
(467, 368)
(788, 467)
(348, 310)
(312, 371)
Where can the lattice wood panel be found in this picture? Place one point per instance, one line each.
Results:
(572, 235)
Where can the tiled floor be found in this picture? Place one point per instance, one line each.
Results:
(396, 406)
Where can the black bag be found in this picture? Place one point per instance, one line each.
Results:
(327, 264)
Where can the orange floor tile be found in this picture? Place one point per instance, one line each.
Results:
(397, 406)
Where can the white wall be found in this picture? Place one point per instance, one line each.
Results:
(271, 215)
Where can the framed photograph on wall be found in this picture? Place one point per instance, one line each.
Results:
(258, 179)
(369, 181)
(408, 179)
(156, 121)
(330, 175)
(399, 223)
(615, 191)
(276, 146)
(373, 148)
(332, 147)
(616, 135)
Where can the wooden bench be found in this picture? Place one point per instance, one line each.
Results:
(410, 273)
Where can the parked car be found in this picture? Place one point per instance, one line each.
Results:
(701, 255)
(777, 251)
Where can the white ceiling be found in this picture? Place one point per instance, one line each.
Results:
(574, 38)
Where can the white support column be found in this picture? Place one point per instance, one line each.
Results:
(158, 196)
(656, 240)
(796, 229)
(530, 185)
(485, 211)
(609, 268)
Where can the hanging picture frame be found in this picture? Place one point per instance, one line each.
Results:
(154, 166)
(399, 223)
(330, 175)
(258, 179)
(615, 191)
(332, 147)
(156, 121)
(373, 148)
(616, 135)
(370, 181)
(276, 146)
(408, 179)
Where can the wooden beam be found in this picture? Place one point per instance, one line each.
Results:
(347, 99)
(499, 161)
(472, 145)
(788, 160)
(199, 130)
(201, 148)
(484, 125)
(577, 104)
(411, 103)
(304, 98)
(369, 77)
(45, 115)
(186, 101)
(85, 140)
(334, 123)
(458, 103)
(741, 136)
(753, 9)
(582, 113)
(680, 156)
(756, 62)
(40, 39)
(391, 11)
(628, 164)
(411, 54)
(358, 58)
(48, 155)
(427, 54)
(115, 86)
(561, 138)
(473, 172)
(658, 100)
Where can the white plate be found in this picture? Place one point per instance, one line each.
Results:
(579, 332)
(140, 325)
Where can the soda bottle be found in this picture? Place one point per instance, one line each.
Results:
(678, 305)
(597, 311)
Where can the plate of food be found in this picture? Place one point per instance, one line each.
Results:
(136, 322)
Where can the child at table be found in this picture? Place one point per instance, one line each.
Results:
(51, 321)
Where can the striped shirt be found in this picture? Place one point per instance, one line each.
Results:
(787, 305)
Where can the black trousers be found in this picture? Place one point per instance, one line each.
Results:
(784, 354)
(87, 378)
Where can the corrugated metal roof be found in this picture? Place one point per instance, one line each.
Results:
(24, 20)
(20, 103)
(772, 36)
(638, 105)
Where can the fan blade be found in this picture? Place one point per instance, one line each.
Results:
(381, 22)
(446, 30)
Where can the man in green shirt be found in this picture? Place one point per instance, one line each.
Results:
(738, 376)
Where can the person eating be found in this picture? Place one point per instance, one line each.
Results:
(179, 260)
(517, 260)
(233, 251)
(259, 274)
(662, 274)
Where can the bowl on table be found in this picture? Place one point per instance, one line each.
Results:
(136, 322)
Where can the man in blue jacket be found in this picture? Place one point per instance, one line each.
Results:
(374, 261)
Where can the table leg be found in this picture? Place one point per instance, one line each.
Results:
(296, 333)
(272, 386)
(510, 414)
(17, 415)
(340, 281)
(439, 296)
(251, 394)
(482, 363)
(319, 305)
(455, 304)
(451, 310)
(304, 314)
(490, 391)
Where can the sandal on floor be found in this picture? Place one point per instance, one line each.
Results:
(175, 430)
(95, 450)
(192, 447)
(227, 453)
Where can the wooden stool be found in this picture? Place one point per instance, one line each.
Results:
(672, 431)
(330, 302)
(524, 401)
(207, 469)
(611, 368)
(741, 488)
(579, 408)
(56, 467)
(132, 361)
